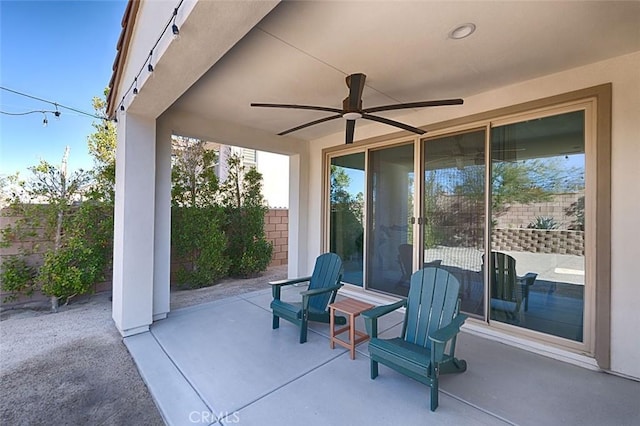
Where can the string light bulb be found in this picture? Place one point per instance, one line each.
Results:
(135, 87)
(121, 107)
(45, 121)
(150, 67)
(174, 28)
(56, 112)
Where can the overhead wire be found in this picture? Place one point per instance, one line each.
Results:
(133, 86)
(56, 104)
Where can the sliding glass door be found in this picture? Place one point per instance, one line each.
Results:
(538, 216)
(505, 205)
(391, 179)
(453, 213)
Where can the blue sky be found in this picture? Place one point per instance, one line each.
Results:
(60, 51)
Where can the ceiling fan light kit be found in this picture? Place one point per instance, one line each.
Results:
(351, 115)
(352, 109)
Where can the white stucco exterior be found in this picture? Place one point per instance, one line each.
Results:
(142, 223)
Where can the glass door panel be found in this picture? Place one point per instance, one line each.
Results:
(453, 213)
(346, 219)
(537, 267)
(391, 210)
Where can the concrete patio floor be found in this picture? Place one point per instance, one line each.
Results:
(221, 363)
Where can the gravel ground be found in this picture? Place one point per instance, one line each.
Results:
(72, 368)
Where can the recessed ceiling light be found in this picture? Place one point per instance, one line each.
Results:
(462, 31)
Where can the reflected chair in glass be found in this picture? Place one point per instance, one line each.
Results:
(425, 348)
(405, 259)
(509, 292)
(324, 284)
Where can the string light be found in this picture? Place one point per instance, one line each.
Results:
(29, 112)
(55, 104)
(133, 88)
(45, 121)
(149, 67)
(174, 28)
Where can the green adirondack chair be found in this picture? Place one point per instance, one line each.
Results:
(323, 288)
(428, 341)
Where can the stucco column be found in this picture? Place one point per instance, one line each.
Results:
(298, 215)
(134, 217)
(162, 229)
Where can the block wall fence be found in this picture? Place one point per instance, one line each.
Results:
(276, 226)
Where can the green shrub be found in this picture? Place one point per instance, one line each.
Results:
(199, 243)
(71, 270)
(17, 277)
(543, 222)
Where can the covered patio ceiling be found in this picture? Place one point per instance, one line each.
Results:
(301, 52)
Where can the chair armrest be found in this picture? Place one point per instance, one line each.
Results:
(371, 316)
(276, 286)
(440, 337)
(378, 311)
(316, 291)
(289, 281)
(306, 295)
(448, 332)
(528, 279)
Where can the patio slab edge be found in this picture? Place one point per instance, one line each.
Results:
(170, 389)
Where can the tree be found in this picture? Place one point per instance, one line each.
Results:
(102, 147)
(196, 219)
(346, 216)
(54, 190)
(247, 248)
(524, 182)
(54, 203)
(193, 174)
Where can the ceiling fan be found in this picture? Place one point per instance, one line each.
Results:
(352, 109)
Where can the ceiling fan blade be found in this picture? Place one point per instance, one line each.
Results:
(423, 104)
(291, 106)
(394, 123)
(355, 83)
(351, 126)
(311, 123)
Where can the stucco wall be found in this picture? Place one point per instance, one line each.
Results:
(622, 72)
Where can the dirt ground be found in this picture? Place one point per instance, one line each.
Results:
(72, 368)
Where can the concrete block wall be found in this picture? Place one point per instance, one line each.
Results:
(538, 241)
(276, 227)
(521, 215)
(276, 230)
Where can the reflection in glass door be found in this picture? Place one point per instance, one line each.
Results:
(346, 220)
(390, 212)
(537, 262)
(453, 213)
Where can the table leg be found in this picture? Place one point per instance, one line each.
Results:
(332, 320)
(352, 335)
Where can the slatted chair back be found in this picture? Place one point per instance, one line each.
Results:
(504, 279)
(326, 273)
(432, 303)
